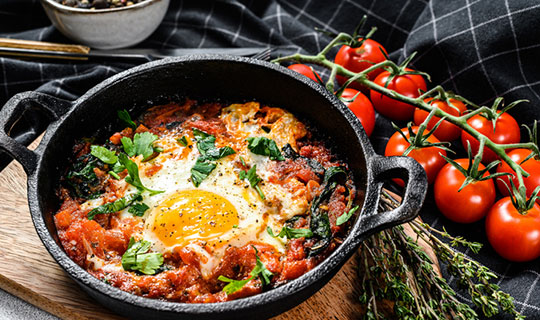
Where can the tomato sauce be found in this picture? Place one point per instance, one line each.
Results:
(98, 245)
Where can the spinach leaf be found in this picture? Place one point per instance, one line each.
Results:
(201, 170)
(81, 178)
(126, 118)
(137, 258)
(138, 209)
(291, 233)
(320, 223)
(133, 174)
(265, 147)
(114, 206)
(104, 154)
(315, 166)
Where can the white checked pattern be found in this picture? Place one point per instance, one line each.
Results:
(477, 48)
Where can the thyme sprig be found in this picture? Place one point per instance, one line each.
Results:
(399, 280)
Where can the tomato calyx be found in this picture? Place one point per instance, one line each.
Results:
(518, 196)
(533, 138)
(419, 140)
(402, 70)
(472, 173)
(493, 114)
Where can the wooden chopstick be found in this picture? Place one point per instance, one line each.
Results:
(38, 300)
(40, 45)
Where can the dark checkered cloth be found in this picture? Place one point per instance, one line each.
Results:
(481, 49)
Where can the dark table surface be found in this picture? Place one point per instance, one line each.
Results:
(481, 49)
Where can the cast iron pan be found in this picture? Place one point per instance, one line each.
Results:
(231, 79)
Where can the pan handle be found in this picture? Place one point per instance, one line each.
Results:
(384, 168)
(22, 119)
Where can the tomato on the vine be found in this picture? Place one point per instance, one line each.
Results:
(446, 130)
(429, 157)
(515, 236)
(506, 131)
(470, 204)
(359, 59)
(532, 166)
(305, 70)
(408, 85)
(361, 107)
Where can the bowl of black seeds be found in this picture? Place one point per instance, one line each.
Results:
(106, 24)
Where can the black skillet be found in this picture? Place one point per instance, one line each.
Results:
(225, 78)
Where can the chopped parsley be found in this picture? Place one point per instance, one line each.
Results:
(140, 145)
(291, 233)
(259, 271)
(133, 174)
(346, 216)
(104, 154)
(206, 163)
(137, 257)
(253, 179)
(265, 147)
(126, 118)
(115, 206)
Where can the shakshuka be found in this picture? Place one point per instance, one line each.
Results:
(204, 202)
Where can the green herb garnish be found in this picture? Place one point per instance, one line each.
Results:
(141, 144)
(291, 233)
(104, 154)
(259, 271)
(138, 209)
(265, 147)
(126, 118)
(115, 206)
(183, 141)
(253, 179)
(137, 258)
(206, 144)
(133, 174)
(346, 216)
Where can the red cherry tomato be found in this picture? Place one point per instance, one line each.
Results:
(305, 70)
(506, 131)
(514, 236)
(408, 85)
(429, 158)
(532, 166)
(446, 130)
(361, 107)
(359, 59)
(470, 204)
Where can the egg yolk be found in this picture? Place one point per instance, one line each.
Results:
(193, 215)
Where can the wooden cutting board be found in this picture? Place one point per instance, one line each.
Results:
(28, 271)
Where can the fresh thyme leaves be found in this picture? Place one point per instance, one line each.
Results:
(346, 216)
(182, 141)
(260, 271)
(133, 174)
(291, 233)
(140, 145)
(253, 179)
(138, 209)
(206, 163)
(126, 118)
(265, 147)
(115, 206)
(104, 154)
(137, 257)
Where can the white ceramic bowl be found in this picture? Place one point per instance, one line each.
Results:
(107, 28)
